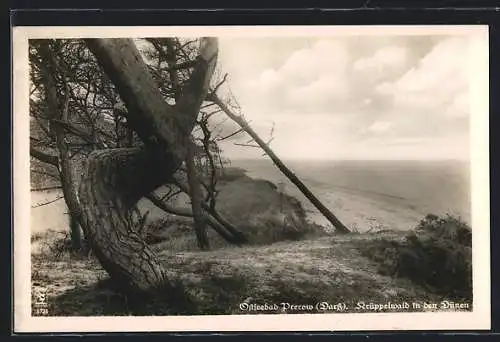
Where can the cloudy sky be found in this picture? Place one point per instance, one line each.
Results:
(371, 97)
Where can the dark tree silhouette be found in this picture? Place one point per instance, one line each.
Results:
(129, 122)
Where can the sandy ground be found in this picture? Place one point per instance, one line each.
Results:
(328, 268)
(365, 213)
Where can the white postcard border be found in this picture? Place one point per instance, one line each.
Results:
(478, 319)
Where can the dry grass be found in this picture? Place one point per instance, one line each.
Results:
(330, 268)
(437, 254)
(288, 260)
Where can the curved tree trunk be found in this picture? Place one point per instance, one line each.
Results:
(59, 113)
(110, 180)
(114, 180)
(196, 197)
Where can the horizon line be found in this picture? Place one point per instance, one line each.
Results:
(354, 159)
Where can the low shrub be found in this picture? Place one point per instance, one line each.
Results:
(254, 206)
(437, 254)
(55, 245)
(275, 226)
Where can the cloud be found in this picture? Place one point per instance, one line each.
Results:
(431, 99)
(311, 79)
(327, 75)
(325, 57)
(384, 62)
(438, 78)
(269, 80)
(323, 93)
(356, 94)
(380, 126)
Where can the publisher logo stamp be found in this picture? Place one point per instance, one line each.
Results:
(40, 302)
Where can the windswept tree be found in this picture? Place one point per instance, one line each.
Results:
(119, 118)
(96, 118)
(114, 178)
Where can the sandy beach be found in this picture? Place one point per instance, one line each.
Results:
(369, 205)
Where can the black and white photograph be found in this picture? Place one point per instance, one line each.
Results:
(211, 176)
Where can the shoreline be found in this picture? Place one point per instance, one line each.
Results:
(360, 210)
(373, 193)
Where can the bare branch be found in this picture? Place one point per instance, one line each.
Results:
(219, 84)
(208, 105)
(44, 157)
(47, 188)
(47, 203)
(230, 135)
(171, 60)
(238, 235)
(184, 212)
(74, 130)
(248, 145)
(183, 65)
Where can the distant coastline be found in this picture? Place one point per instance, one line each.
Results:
(377, 193)
(366, 195)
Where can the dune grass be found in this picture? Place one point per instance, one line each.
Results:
(335, 269)
(327, 269)
(437, 254)
(288, 260)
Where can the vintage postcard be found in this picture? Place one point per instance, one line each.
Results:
(285, 178)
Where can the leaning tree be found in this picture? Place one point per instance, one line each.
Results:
(114, 179)
(75, 109)
(159, 96)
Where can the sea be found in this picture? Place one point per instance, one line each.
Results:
(377, 194)
(365, 195)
